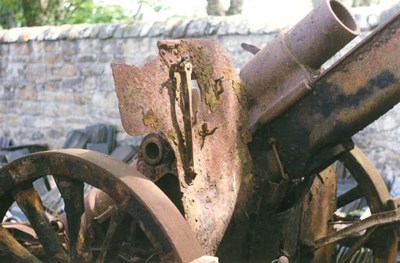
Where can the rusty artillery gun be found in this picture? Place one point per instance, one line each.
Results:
(237, 166)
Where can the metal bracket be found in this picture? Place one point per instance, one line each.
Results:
(181, 76)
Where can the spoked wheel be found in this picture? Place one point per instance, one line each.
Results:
(379, 233)
(133, 197)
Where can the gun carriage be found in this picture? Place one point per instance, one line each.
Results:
(233, 165)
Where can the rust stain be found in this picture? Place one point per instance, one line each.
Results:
(150, 120)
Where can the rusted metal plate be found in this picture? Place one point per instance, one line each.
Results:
(143, 97)
(319, 206)
(131, 191)
(221, 165)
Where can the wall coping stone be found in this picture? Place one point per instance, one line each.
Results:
(171, 28)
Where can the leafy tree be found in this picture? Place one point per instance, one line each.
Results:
(14, 13)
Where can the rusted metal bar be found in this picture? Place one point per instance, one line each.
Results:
(278, 74)
(388, 217)
(14, 248)
(350, 95)
(30, 203)
(357, 245)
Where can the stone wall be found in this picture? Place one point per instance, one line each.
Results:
(55, 79)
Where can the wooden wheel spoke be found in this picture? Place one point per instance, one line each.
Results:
(5, 203)
(30, 203)
(127, 189)
(348, 197)
(10, 245)
(115, 220)
(72, 193)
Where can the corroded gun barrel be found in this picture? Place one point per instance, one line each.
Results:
(278, 74)
(307, 116)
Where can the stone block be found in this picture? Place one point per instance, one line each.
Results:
(14, 35)
(94, 31)
(69, 48)
(37, 73)
(87, 58)
(105, 83)
(47, 96)
(145, 29)
(31, 108)
(20, 49)
(170, 25)
(105, 100)
(57, 33)
(4, 49)
(156, 29)
(196, 28)
(18, 59)
(52, 59)
(131, 31)
(233, 25)
(107, 31)
(38, 135)
(105, 58)
(38, 47)
(51, 85)
(42, 122)
(68, 70)
(7, 91)
(78, 31)
(128, 48)
(119, 31)
(52, 46)
(51, 109)
(179, 30)
(26, 93)
(38, 33)
(89, 31)
(91, 69)
(243, 28)
(16, 70)
(111, 47)
(213, 25)
(89, 46)
(71, 109)
(89, 84)
(56, 133)
(74, 84)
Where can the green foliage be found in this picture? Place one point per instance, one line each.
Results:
(15, 13)
(88, 12)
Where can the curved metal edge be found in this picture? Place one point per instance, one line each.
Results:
(148, 205)
(368, 179)
(374, 189)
